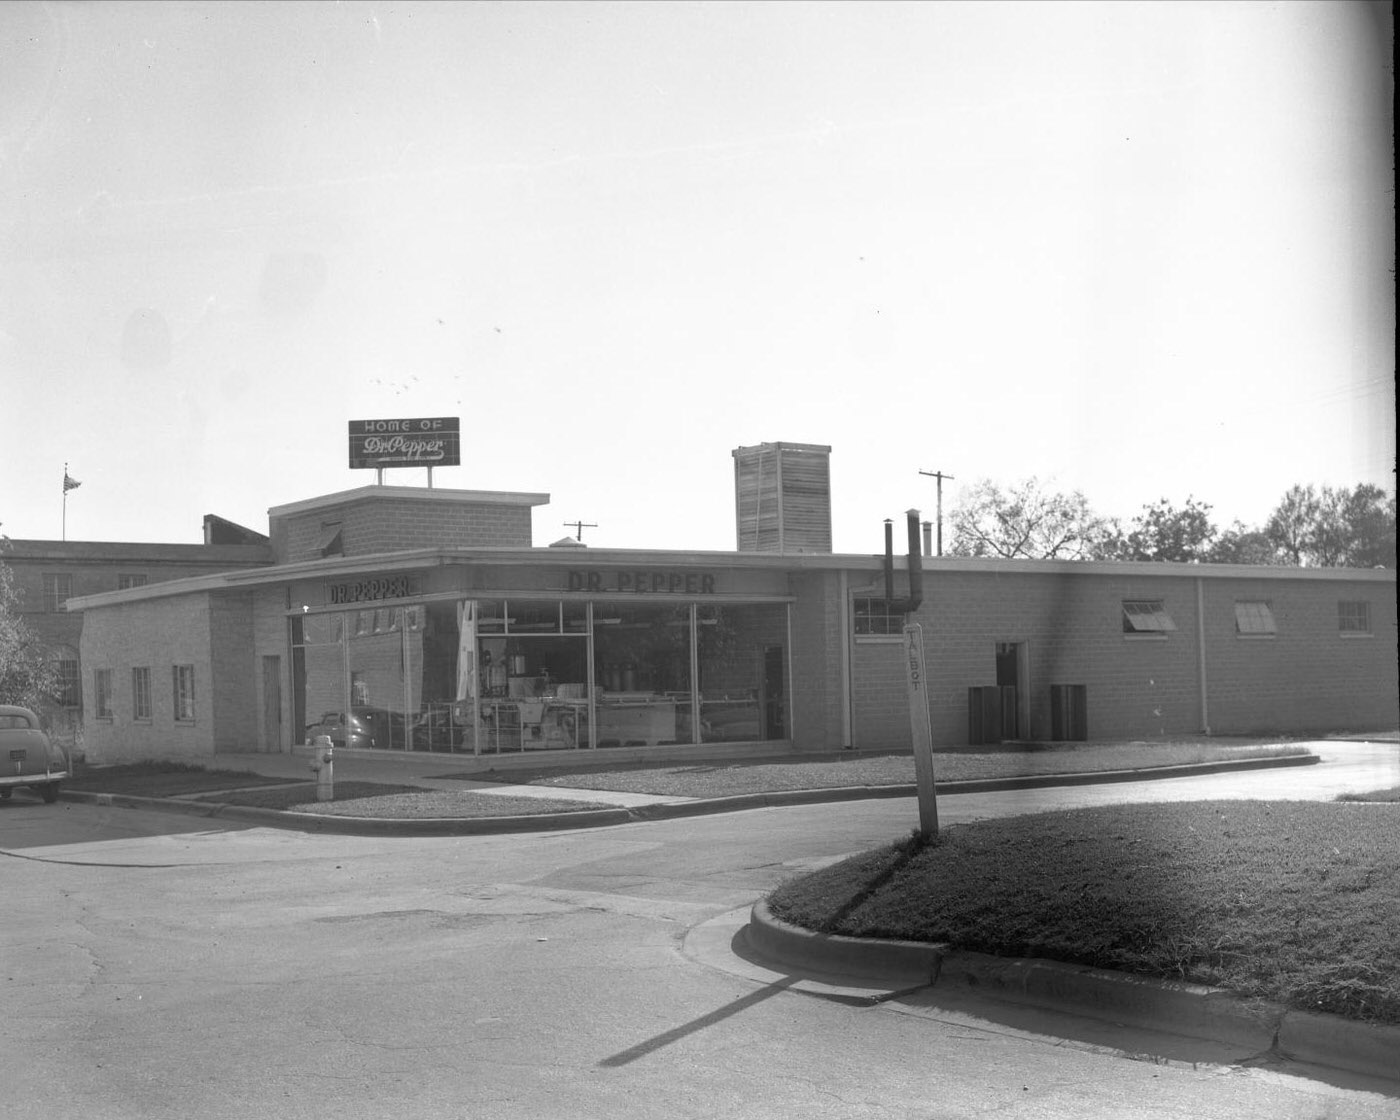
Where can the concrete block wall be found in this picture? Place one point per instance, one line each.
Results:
(1308, 678)
(817, 715)
(122, 637)
(233, 678)
(270, 639)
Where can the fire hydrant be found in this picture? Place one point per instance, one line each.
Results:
(323, 763)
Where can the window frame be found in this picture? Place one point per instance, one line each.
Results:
(53, 600)
(142, 708)
(127, 580)
(1146, 619)
(1354, 610)
(1256, 620)
(69, 693)
(182, 697)
(871, 615)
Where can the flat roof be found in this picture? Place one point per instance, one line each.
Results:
(797, 562)
(414, 493)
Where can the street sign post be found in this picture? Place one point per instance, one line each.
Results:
(921, 728)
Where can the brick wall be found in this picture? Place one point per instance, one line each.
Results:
(175, 634)
(1308, 678)
(394, 524)
(817, 717)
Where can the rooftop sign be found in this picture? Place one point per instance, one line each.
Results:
(424, 442)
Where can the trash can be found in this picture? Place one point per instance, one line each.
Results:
(1069, 713)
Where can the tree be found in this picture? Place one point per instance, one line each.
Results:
(1240, 544)
(1371, 516)
(1335, 528)
(1029, 522)
(1163, 532)
(27, 677)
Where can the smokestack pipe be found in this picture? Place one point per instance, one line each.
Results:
(889, 562)
(928, 538)
(916, 567)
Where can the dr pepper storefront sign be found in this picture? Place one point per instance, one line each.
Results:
(423, 442)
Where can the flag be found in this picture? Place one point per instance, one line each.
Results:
(69, 483)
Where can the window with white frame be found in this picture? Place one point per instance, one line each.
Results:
(183, 685)
(141, 692)
(1146, 616)
(1254, 618)
(877, 617)
(102, 686)
(1354, 616)
(58, 588)
(127, 580)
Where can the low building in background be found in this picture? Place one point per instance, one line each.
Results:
(422, 620)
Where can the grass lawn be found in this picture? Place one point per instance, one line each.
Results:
(162, 779)
(1297, 902)
(720, 779)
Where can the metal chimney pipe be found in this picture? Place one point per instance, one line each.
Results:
(928, 538)
(889, 562)
(916, 567)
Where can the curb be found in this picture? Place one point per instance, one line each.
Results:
(1179, 1008)
(357, 826)
(601, 818)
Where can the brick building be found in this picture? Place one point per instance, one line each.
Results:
(396, 618)
(49, 573)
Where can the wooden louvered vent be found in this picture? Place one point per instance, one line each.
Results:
(782, 497)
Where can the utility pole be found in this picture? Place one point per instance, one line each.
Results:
(580, 526)
(940, 476)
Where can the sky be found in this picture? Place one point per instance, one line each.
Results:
(1140, 250)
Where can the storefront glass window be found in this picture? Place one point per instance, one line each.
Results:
(484, 675)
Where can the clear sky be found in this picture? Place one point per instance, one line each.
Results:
(1139, 249)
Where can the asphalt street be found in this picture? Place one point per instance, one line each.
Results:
(156, 966)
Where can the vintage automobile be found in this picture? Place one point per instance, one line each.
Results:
(362, 728)
(28, 757)
(344, 730)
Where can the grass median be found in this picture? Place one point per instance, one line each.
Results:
(1296, 902)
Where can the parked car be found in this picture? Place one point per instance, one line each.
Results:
(345, 730)
(28, 757)
(363, 728)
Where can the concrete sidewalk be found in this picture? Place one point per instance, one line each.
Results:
(425, 771)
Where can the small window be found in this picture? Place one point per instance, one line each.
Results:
(1354, 616)
(69, 686)
(331, 542)
(877, 616)
(183, 682)
(128, 580)
(58, 588)
(1254, 618)
(141, 693)
(102, 686)
(1146, 616)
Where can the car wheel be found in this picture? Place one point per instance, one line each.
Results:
(5, 793)
(50, 792)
